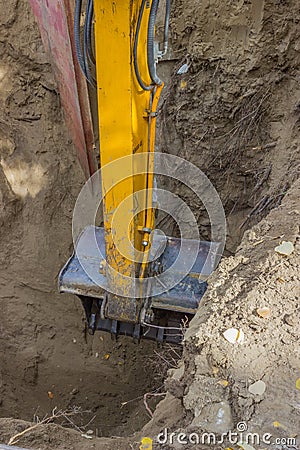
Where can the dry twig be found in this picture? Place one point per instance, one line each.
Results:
(55, 415)
(148, 394)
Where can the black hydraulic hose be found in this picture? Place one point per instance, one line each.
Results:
(77, 14)
(81, 56)
(89, 77)
(150, 43)
(135, 48)
(88, 31)
(86, 49)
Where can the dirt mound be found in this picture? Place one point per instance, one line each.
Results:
(52, 436)
(218, 375)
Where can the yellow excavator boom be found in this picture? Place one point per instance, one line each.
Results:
(127, 118)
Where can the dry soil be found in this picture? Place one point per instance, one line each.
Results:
(235, 114)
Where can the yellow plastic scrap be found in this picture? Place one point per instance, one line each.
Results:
(106, 356)
(298, 383)
(146, 444)
(223, 383)
(278, 425)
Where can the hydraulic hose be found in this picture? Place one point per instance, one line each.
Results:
(150, 43)
(77, 14)
(135, 48)
(87, 50)
(81, 56)
(88, 31)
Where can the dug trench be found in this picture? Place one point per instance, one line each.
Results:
(231, 107)
(47, 359)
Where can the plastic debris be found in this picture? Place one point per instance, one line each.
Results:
(245, 446)
(106, 356)
(146, 444)
(264, 312)
(215, 370)
(285, 248)
(183, 69)
(298, 383)
(278, 425)
(223, 383)
(87, 436)
(257, 388)
(234, 336)
(50, 395)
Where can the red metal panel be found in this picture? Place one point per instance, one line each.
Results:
(55, 20)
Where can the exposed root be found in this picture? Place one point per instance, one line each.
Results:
(55, 415)
(148, 395)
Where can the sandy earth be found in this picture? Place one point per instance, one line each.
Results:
(235, 114)
(44, 347)
(218, 374)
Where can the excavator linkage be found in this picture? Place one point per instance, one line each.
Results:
(170, 310)
(149, 296)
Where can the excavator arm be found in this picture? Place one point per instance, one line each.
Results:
(127, 103)
(112, 266)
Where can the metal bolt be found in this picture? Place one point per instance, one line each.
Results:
(149, 317)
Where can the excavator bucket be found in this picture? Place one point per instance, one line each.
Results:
(170, 310)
